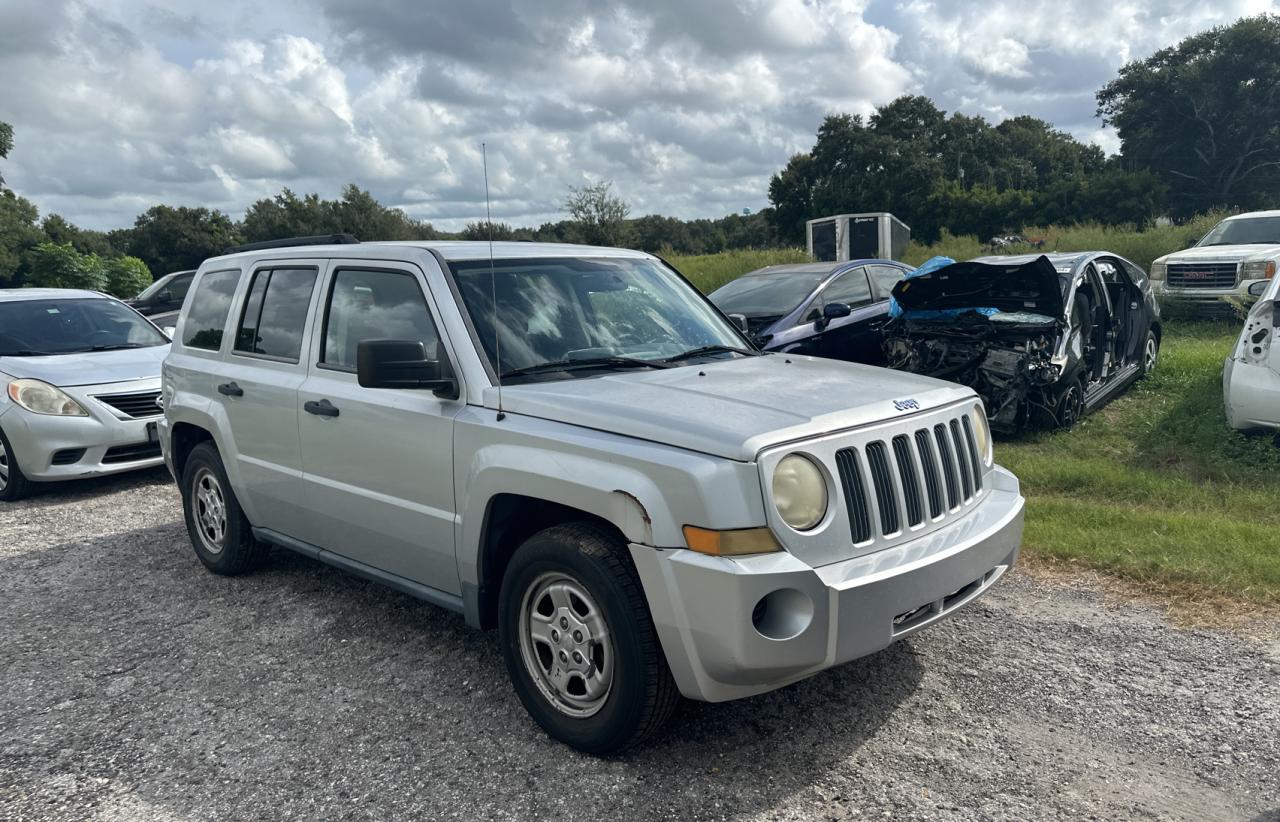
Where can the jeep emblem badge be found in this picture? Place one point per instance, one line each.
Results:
(906, 405)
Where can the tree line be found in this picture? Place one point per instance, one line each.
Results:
(1196, 121)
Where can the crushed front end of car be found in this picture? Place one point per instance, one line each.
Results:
(998, 329)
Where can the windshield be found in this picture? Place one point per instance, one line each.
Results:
(553, 310)
(1251, 231)
(35, 327)
(767, 295)
(155, 287)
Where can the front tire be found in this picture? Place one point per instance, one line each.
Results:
(579, 642)
(220, 532)
(14, 484)
(1070, 407)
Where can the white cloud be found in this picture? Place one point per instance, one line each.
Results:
(688, 107)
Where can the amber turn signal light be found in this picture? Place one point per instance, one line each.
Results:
(730, 543)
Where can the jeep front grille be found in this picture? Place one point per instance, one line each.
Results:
(933, 474)
(1201, 275)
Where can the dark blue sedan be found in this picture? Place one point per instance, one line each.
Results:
(831, 310)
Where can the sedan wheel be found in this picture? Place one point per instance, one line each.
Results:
(4, 466)
(1150, 353)
(1071, 406)
(565, 644)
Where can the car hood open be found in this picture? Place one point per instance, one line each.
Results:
(1033, 286)
(732, 408)
(93, 368)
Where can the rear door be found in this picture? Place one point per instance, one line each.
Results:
(259, 389)
(378, 461)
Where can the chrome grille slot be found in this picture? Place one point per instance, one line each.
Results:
(974, 458)
(962, 457)
(932, 480)
(855, 494)
(1202, 275)
(137, 405)
(948, 466)
(882, 482)
(910, 479)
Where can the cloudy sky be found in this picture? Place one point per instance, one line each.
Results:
(688, 105)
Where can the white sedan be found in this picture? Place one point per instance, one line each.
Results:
(1251, 378)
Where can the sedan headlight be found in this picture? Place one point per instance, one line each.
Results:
(41, 398)
(982, 435)
(1158, 271)
(1259, 270)
(799, 492)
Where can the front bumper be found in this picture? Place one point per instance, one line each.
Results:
(1163, 291)
(816, 618)
(111, 441)
(1251, 394)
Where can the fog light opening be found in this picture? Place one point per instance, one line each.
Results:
(782, 614)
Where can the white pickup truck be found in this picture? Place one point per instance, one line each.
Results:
(1237, 253)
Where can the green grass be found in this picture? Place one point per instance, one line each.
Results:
(1155, 487)
(710, 271)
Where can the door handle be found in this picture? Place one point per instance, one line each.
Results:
(321, 408)
(230, 389)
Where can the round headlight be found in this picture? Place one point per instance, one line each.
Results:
(982, 434)
(41, 398)
(799, 492)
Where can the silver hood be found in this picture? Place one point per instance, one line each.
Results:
(91, 368)
(1223, 252)
(732, 408)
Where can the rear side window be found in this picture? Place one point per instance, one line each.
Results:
(275, 313)
(374, 305)
(210, 306)
(884, 278)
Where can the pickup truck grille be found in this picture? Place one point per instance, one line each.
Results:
(926, 474)
(1202, 275)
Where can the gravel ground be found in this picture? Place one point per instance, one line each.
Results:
(137, 686)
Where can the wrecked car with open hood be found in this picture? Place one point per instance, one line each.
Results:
(1042, 338)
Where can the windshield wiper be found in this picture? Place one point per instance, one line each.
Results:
(710, 349)
(118, 346)
(27, 352)
(588, 362)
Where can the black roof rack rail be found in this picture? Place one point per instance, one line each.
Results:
(289, 242)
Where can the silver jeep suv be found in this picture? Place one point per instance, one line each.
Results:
(572, 445)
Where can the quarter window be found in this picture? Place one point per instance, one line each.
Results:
(374, 305)
(210, 306)
(275, 313)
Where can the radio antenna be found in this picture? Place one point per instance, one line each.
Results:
(493, 282)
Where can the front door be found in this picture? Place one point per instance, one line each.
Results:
(856, 337)
(378, 462)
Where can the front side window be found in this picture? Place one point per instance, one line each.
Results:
(884, 278)
(374, 305)
(31, 328)
(850, 288)
(210, 305)
(275, 313)
(541, 311)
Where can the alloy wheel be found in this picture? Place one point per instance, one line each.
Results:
(4, 466)
(565, 644)
(210, 510)
(1151, 354)
(1071, 407)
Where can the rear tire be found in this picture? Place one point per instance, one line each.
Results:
(220, 532)
(1150, 353)
(579, 641)
(14, 484)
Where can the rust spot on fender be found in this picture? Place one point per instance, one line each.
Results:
(645, 522)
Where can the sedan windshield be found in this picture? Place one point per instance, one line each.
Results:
(1251, 231)
(587, 315)
(31, 328)
(767, 295)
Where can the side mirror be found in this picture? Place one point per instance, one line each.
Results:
(403, 364)
(1258, 289)
(740, 320)
(834, 311)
